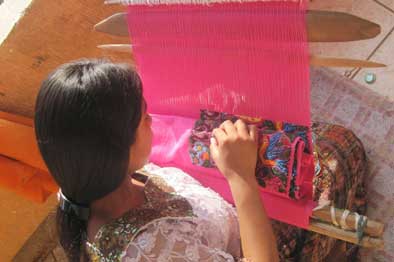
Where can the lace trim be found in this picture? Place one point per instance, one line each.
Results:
(174, 237)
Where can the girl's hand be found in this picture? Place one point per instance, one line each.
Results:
(234, 150)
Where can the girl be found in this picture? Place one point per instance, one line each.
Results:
(93, 131)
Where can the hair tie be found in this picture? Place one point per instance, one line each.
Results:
(82, 212)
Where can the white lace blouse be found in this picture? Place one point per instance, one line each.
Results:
(208, 231)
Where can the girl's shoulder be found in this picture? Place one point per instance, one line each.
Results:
(173, 198)
(162, 201)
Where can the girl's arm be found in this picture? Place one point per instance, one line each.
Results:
(234, 150)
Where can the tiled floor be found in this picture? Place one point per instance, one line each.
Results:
(379, 49)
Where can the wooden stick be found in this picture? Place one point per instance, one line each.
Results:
(348, 236)
(123, 48)
(322, 26)
(314, 60)
(372, 228)
(342, 62)
(327, 26)
(114, 25)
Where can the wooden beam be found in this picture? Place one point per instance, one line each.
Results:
(314, 60)
(342, 62)
(348, 236)
(329, 26)
(322, 26)
(372, 228)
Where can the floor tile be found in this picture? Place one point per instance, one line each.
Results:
(369, 10)
(384, 83)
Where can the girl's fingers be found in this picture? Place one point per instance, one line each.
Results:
(218, 135)
(242, 128)
(253, 132)
(229, 128)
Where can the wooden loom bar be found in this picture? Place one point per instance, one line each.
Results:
(342, 62)
(322, 26)
(329, 26)
(348, 236)
(373, 228)
(313, 60)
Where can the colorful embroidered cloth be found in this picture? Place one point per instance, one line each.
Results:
(281, 147)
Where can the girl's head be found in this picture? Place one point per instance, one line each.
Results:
(92, 129)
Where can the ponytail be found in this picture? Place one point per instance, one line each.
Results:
(72, 233)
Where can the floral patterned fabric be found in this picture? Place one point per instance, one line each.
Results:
(281, 147)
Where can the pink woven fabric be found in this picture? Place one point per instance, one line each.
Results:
(244, 58)
(240, 58)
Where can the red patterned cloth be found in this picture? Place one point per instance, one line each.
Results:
(282, 147)
(343, 164)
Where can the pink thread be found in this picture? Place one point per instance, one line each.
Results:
(242, 58)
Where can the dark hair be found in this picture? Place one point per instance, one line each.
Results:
(86, 117)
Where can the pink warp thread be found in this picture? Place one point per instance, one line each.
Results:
(241, 58)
